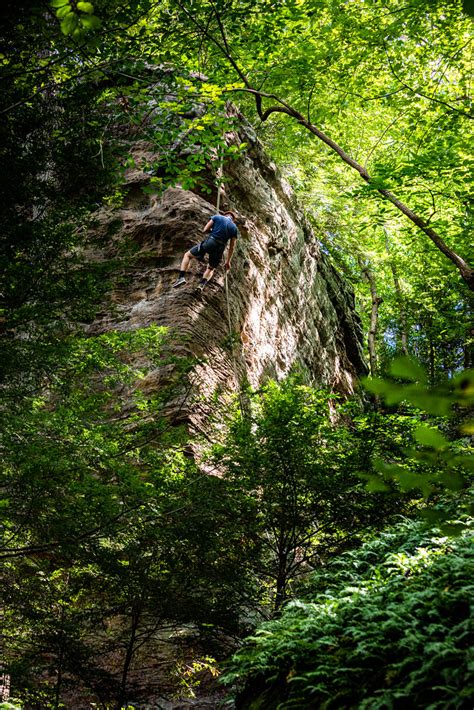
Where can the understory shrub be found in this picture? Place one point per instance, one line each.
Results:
(385, 626)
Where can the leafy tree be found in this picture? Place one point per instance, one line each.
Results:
(422, 310)
(440, 459)
(414, 58)
(109, 531)
(300, 471)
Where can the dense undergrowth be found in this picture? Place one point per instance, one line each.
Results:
(382, 627)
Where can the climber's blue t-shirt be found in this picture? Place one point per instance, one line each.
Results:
(223, 228)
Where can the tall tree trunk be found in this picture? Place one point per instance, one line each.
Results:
(403, 330)
(431, 352)
(59, 680)
(468, 346)
(374, 316)
(281, 580)
(4, 685)
(431, 363)
(135, 619)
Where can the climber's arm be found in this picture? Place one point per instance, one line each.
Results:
(208, 226)
(229, 253)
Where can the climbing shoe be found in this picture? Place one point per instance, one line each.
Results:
(200, 286)
(179, 282)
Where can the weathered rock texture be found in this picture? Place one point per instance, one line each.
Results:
(288, 305)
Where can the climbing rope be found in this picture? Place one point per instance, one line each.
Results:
(219, 182)
(229, 320)
(229, 323)
(232, 348)
(218, 204)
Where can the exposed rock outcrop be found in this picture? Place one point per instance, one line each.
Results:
(287, 303)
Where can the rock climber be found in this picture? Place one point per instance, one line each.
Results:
(222, 230)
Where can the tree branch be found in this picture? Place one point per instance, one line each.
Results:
(466, 271)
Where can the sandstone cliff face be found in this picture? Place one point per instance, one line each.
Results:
(287, 304)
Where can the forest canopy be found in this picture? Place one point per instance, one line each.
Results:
(366, 106)
(328, 518)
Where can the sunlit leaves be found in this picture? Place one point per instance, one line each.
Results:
(406, 368)
(72, 22)
(85, 7)
(432, 438)
(435, 461)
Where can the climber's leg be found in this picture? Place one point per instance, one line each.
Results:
(215, 252)
(185, 265)
(185, 262)
(209, 246)
(206, 277)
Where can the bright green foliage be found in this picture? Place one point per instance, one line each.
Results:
(385, 626)
(436, 460)
(389, 83)
(110, 532)
(300, 471)
(438, 401)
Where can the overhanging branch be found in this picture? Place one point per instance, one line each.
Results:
(466, 271)
(281, 106)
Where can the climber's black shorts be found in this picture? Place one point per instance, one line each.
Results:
(210, 246)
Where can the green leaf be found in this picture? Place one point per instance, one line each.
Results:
(389, 469)
(427, 401)
(376, 485)
(465, 387)
(432, 515)
(452, 529)
(406, 368)
(466, 462)
(69, 24)
(377, 385)
(468, 427)
(452, 480)
(85, 7)
(90, 22)
(409, 481)
(63, 11)
(406, 479)
(59, 3)
(430, 437)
